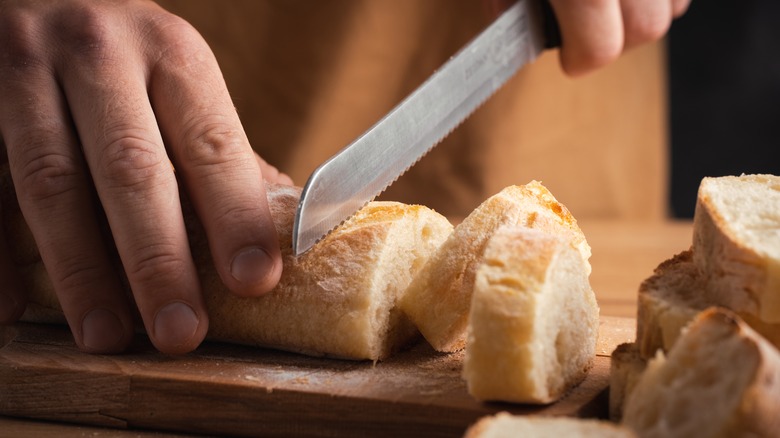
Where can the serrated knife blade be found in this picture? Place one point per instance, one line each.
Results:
(344, 183)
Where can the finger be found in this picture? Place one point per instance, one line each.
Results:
(213, 156)
(107, 94)
(645, 21)
(591, 33)
(679, 7)
(54, 195)
(272, 174)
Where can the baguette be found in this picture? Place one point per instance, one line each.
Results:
(533, 323)
(721, 379)
(504, 425)
(736, 243)
(339, 299)
(439, 297)
(626, 366)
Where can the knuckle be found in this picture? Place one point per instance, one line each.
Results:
(235, 215)
(130, 160)
(46, 175)
(87, 31)
(176, 41)
(19, 38)
(156, 267)
(211, 144)
(169, 29)
(76, 273)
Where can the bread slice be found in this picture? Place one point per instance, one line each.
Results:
(721, 379)
(340, 299)
(672, 297)
(533, 323)
(504, 425)
(626, 366)
(736, 243)
(667, 302)
(439, 297)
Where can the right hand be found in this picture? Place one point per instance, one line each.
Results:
(594, 33)
(107, 98)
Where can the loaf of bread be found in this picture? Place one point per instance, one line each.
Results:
(736, 243)
(439, 298)
(533, 322)
(504, 425)
(720, 379)
(339, 299)
(626, 366)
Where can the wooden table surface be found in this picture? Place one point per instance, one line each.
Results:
(623, 255)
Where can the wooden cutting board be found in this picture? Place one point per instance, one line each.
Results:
(234, 390)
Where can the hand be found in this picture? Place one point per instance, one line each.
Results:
(596, 32)
(107, 98)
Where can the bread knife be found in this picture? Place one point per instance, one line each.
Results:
(344, 183)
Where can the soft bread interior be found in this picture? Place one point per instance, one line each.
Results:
(504, 425)
(697, 389)
(667, 302)
(672, 297)
(340, 297)
(747, 207)
(737, 242)
(533, 321)
(626, 367)
(438, 299)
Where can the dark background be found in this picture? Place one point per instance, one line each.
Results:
(724, 62)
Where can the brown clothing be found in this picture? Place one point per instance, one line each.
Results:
(308, 77)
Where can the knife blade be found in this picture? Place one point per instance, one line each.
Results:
(344, 183)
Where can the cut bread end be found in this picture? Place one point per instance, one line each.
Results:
(737, 242)
(626, 366)
(533, 323)
(667, 302)
(672, 297)
(439, 298)
(720, 378)
(504, 425)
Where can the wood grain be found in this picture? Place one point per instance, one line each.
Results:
(624, 253)
(225, 389)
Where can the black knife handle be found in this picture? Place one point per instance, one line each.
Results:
(552, 32)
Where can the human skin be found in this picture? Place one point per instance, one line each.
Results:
(595, 33)
(115, 106)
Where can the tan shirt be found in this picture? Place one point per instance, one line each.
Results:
(308, 77)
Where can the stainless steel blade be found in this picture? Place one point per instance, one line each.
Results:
(358, 173)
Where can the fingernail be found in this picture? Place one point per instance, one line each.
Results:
(7, 309)
(175, 324)
(101, 331)
(251, 266)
